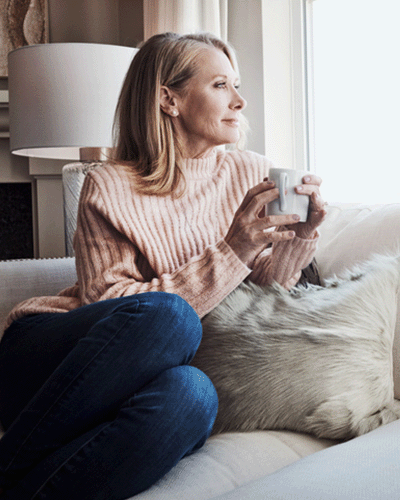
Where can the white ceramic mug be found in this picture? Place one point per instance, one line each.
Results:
(289, 202)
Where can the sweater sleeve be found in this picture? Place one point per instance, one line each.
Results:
(284, 261)
(109, 265)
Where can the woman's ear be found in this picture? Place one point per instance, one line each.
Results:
(168, 102)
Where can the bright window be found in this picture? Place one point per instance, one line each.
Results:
(357, 99)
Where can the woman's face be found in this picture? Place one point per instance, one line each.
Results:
(208, 111)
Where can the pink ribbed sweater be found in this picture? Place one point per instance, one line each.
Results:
(128, 243)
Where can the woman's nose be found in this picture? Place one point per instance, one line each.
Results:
(238, 102)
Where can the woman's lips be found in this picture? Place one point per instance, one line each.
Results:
(233, 122)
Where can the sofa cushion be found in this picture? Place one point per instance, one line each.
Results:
(229, 460)
(366, 468)
(353, 233)
(23, 279)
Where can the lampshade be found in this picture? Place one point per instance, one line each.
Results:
(62, 97)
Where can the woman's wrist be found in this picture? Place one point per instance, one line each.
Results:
(308, 235)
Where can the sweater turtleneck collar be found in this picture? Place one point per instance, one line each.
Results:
(200, 168)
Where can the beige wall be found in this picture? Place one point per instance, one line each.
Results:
(118, 22)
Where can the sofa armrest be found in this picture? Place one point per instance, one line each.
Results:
(23, 279)
(353, 233)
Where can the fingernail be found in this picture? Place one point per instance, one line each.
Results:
(292, 234)
(299, 188)
(296, 217)
(271, 183)
(307, 179)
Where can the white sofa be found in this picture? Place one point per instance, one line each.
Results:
(269, 464)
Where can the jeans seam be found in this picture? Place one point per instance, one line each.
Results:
(69, 458)
(60, 396)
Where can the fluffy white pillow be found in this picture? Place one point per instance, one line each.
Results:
(316, 360)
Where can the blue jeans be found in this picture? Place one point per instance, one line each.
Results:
(100, 403)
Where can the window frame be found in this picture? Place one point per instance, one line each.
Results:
(288, 93)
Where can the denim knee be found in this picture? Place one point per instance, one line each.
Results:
(171, 306)
(172, 313)
(195, 396)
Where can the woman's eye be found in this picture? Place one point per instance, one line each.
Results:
(223, 85)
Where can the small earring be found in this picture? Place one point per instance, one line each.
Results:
(174, 112)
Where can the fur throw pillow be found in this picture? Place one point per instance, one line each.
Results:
(315, 359)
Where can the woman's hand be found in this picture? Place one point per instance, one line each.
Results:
(250, 231)
(316, 210)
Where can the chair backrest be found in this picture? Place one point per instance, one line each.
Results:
(73, 176)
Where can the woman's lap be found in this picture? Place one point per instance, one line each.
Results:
(33, 347)
(151, 433)
(121, 345)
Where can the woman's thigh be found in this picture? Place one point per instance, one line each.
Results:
(33, 347)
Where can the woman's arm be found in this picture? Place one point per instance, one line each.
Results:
(281, 258)
(109, 265)
(283, 262)
(276, 248)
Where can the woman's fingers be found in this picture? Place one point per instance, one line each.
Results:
(317, 209)
(312, 179)
(317, 203)
(258, 196)
(275, 220)
(316, 215)
(275, 236)
(310, 187)
(311, 184)
(251, 230)
(307, 189)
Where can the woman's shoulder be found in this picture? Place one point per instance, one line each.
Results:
(107, 170)
(109, 176)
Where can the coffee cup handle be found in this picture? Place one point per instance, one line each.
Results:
(283, 179)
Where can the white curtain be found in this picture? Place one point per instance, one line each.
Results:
(185, 16)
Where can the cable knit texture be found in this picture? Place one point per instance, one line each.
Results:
(128, 243)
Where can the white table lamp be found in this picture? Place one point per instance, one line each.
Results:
(62, 100)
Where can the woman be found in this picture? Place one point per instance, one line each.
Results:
(108, 404)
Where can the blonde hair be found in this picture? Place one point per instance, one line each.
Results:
(144, 137)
